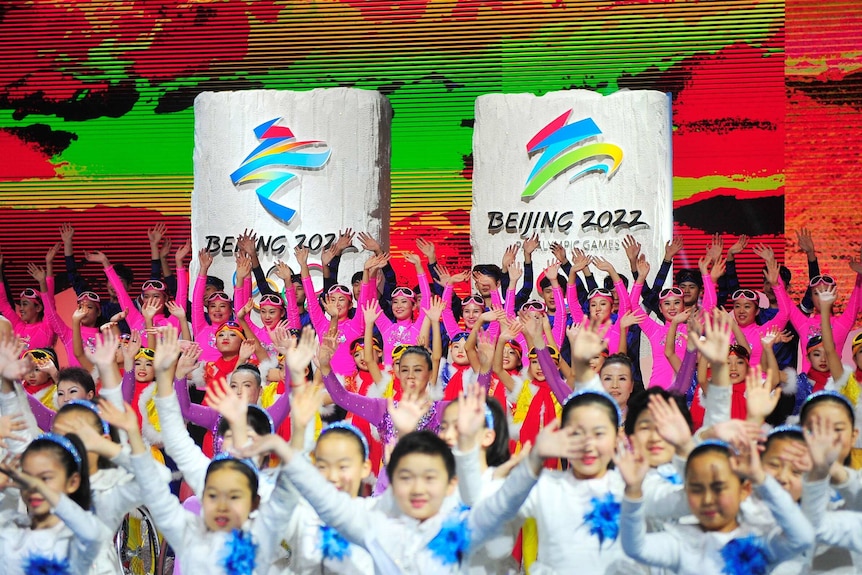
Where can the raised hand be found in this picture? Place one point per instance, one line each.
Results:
(370, 312)
(155, 233)
(737, 247)
(715, 343)
(182, 253)
(126, 420)
(327, 348)
(735, 431)
(772, 271)
(427, 248)
(435, 312)
(233, 407)
(150, 309)
(633, 468)
(530, 245)
(515, 272)
(330, 306)
(718, 269)
(746, 463)
(188, 361)
(105, 351)
(827, 294)
(305, 403)
(166, 247)
(37, 273)
(553, 442)
(167, 349)
(52, 253)
(301, 255)
(344, 241)
(246, 350)
(298, 357)
(413, 259)
(588, 341)
(715, 249)
(9, 424)
(406, 415)
(509, 256)
(243, 265)
(806, 243)
(369, 243)
(67, 232)
(760, 398)
(824, 446)
(485, 349)
(643, 268)
(764, 252)
(559, 252)
(283, 271)
(243, 312)
(246, 241)
(471, 416)
(632, 248)
(205, 260)
(176, 310)
(671, 424)
(580, 260)
(672, 248)
(131, 349)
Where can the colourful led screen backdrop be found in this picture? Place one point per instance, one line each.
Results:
(96, 106)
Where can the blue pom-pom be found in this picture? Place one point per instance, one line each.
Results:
(604, 518)
(240, 553)
(744, 556)
(453, 540)
(39, 565)
(332, 544)
(669, 474)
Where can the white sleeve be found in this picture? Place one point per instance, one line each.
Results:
(654, 549)
(115, 398)
(489, 516)
(268, 529)
(851, 490)
(815, 499)
(112, 505)
(14, 403)
(794, 533)
(335, 508)
(189, 458)
(842, 529)
(469, 475)
(663, 500)
(166, 509)
(716, 404)
(89, 532)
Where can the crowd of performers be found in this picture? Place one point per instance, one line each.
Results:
(382, 428)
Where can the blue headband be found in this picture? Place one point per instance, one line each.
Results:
(347, 426)
(600, 393)
(63, 442)
(717, 443)
(829, 393)
(785, 429)
(224, 456)
(460, 336)
(265, 414)
(489, 417)
(106, 429)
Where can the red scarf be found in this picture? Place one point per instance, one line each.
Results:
(34, 389)
(818, 379)
(359, 383)
(218, 369)
(456, 383)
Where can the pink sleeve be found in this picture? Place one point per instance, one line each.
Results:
(622, 293)
(559, 328)
(425, 303)
(199, 321)
(383, 323)
(575, 309)
(798, 319)
(182, 287)
(844, 322)
(449, 321)
(63, 331)
(7, 310)
(495, 299)
(366, 294)
(241, 295)
(293, 320)
(635, 295)
(779, 321)
(612, 338)
(133, 316)
(510, 303)
(710, 296)
(318, 320)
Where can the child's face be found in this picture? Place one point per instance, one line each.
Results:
(67, 390)
(778, 463)
(144, 370)
(420, 484)
(36, 377)
(594, 423)
(737, 368)
(511, 359)
(449, 425)
(402, 307)
(841, 424)
(154, 295)
(244, 382)
(413, 373)
(714, 492)
(817, 357)
(228, 341)
(600, 309)
(646, 440)
(92, 310)
(548, 298)
(227, 500)
(270, 315)
(219, 311)
(617, 381)
(46, 465)
(536, 373)
(359, 359)
(471, 314)
(597, 362)
(744, 311)
(459, 352)
(341, 461)
(857, 359)
(671, 306)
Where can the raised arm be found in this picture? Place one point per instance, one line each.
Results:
(373, 410)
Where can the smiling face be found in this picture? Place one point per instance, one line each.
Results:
(617, 381)
(600, 309)
(144, 370)
(646, 440)
(36, 377)
(402, 307)
(227, 500)
(714, 492)
(671, 306)
(46, 465)
(592, 422)
(737, 368)
(511, 358)
(471, 313)
(745, 312)
(536, 373)
(271, 315)
(219, 311)
(420, 483)
(341, 460)
(29, 310)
